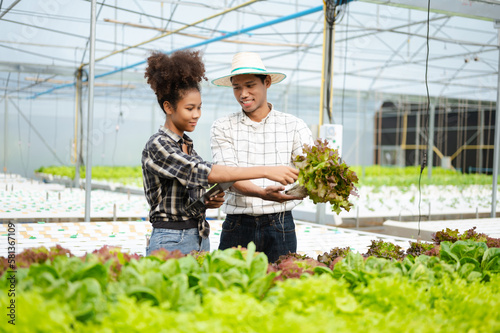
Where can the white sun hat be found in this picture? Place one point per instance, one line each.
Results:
(247, 63)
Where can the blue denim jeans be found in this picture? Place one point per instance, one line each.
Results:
(185, 240)
(273, 234)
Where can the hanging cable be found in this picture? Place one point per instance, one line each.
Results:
(426, 123)
(345, 66)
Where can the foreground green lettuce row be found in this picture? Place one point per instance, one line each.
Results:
(236, 290)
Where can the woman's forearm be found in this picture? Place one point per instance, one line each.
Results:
(281, 174)
(223, 173)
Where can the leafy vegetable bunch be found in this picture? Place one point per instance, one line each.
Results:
(294, 265)
(325, 177)
(418, 248)
(387, 250)
(453, 236)
(332, 257)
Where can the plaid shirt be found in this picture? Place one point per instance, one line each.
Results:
(173, 179)
(236, 140)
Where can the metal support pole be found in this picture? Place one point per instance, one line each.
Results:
(497, 133)
(5, 128)
(88, 169)
(326, 93)
(480, 123)
(430, 142)
(78, 128)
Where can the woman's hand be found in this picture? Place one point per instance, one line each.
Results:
(282, 174)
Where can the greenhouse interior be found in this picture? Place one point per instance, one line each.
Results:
(398, 227)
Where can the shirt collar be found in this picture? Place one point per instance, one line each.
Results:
(247, 121)
(175, 137)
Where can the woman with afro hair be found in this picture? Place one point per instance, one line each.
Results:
(174, 174)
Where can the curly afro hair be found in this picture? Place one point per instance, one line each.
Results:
(171, 76)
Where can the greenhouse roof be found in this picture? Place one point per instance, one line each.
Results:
(380, 46)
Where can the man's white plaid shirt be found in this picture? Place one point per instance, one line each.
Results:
(236, 140)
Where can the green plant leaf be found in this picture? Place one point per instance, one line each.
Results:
(491, 260)
(142, 293)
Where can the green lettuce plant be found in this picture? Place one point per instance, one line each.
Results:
(325, 177)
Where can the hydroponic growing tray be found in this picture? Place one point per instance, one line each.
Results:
(489, 226)
(130, 236)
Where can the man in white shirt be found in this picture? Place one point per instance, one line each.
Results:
(257, 211)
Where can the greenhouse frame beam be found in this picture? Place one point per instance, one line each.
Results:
(9, 8)
(439, 39)
(176, 30)
(216, 39)
(31, 68)
(393, 29)
(421, 81)
(142, 26)
(415, 62)
(497, 133)
(65, 33)
(479, 10)
(401, 46)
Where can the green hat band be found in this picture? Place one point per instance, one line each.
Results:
(254, 68)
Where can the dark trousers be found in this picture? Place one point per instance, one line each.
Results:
(273, 234)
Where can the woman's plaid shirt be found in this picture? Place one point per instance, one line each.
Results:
(172, 178)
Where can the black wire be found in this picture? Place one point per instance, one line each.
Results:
(330, 12)
(328, 82)
(426, 124)
(345, 66)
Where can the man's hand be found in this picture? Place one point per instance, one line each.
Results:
(215, 201)
(273, 193)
